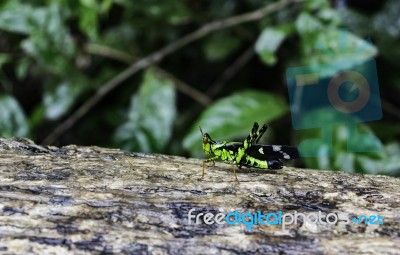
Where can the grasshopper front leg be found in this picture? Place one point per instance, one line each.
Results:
(213, 161)
(204, 164)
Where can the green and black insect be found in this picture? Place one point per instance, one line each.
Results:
(247, 153)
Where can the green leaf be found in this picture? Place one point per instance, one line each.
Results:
(49, 41)
(16, 18)
(220, 45)
(387, 31)
(233, 117)
(329, 17)
(88, 17)
(392, 165)
(336, 50)
(4, 58)
(151, 115)
(352, 149)
(37, 116)
(106, 5)
(307, 24)
(342, 45)
(267, 44)
(22, 68)
(12, 118)
(59, 100)
(386, 21)
(312, 5)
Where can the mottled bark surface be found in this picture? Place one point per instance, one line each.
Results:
(83, 200)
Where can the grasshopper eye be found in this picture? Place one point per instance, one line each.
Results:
(205, 137)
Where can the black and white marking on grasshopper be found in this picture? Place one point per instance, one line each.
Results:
(273, 151)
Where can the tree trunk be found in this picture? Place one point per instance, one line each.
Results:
(82, 200)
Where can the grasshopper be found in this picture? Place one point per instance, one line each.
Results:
(247, 153)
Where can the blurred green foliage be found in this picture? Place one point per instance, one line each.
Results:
(221, 119)
(150, 116)
(13, 121)
(55, 54)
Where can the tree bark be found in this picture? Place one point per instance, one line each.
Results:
(81, 200)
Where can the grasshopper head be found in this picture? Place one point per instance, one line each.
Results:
(207, 141)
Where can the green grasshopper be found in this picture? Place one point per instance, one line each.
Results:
(247, 153)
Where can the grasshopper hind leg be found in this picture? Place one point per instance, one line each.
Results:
(213, 161)
(260, 133)
(251, 138)
(234, 173)
(274, 164)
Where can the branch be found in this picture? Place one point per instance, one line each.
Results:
(186, 88)
(159, 55)
(93, 200)
(108, 52)
(231, 71)
(181, 86)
